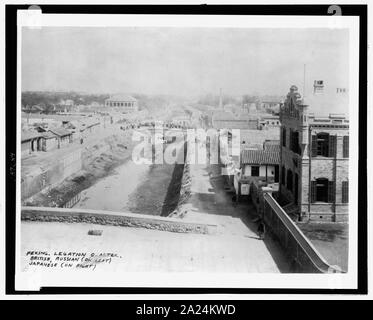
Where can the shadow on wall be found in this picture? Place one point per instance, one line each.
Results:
(173, 191)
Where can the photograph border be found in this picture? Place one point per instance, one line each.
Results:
(247, 10)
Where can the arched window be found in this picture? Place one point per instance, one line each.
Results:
(289, 180)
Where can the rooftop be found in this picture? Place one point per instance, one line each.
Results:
(271, 145)
(223, 115)
(60, 132)
(48, 135)
(122, 97)
(55, 117)
(260, 157)
(29, 135)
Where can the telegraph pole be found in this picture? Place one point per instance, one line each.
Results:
(304, 80)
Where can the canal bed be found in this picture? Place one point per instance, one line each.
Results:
(139, 188)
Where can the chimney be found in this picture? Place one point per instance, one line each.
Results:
(318, 87)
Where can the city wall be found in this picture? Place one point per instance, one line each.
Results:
(55, 173)
(90, 161)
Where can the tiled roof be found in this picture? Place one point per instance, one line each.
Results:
(48, 135)
(29, 135)
(60, 132)
(272, 142)
(272, 147)
(260, 157)
(122, 97)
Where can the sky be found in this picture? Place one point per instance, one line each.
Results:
(182, 61)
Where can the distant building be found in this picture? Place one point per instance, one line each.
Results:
(314, 157)
(64, 137)
(33, 109)
(271, 104)
(269, 121)
(125, 102)
(67, 102)
(255, 138)
(256, 165)
(227, 120)
(260, 164)
(48, 141)
(30, 142)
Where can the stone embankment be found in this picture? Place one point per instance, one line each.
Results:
(114, 219)
(185, 191)
(97, 161)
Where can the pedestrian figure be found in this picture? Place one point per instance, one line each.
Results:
(261, 230)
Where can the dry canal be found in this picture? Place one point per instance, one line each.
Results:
(139, 188)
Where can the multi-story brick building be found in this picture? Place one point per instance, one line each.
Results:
(313, 160)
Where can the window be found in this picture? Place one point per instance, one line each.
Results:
(294, 140)
(322, 190)
(284, 137)
(283, 174)
(255, 171)
(289, 181)
(324, 145)
(346, 144)
(344, 191)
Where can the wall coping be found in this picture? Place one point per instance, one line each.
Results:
(317, 259)
(66, 212)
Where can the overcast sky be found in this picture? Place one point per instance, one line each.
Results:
(181, 61)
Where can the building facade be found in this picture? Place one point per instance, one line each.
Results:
(256, 165)
(313, 161)
(126, 103)
(270, 121)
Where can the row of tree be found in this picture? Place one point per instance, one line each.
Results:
(49, 102)
(47, 99)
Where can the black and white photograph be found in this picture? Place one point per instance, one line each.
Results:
(186, 151)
